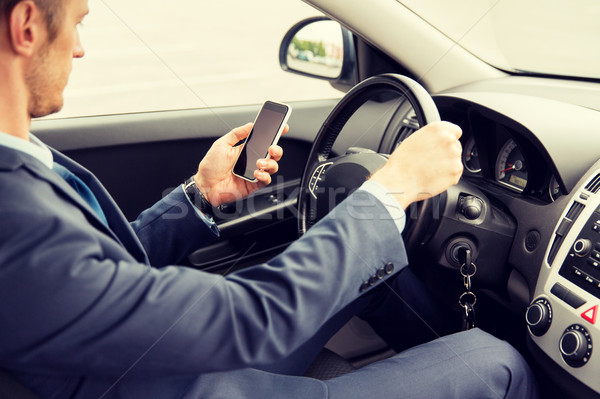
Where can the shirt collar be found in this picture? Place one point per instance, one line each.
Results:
(35, 147)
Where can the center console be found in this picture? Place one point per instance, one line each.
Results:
(563, 317)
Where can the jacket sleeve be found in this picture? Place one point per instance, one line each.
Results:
(172, 229)
(71, 309)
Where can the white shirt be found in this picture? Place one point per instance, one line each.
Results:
(388, 200)
(35, 147)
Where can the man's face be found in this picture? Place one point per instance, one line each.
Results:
(49, 70)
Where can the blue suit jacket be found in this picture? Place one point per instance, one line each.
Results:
(83, 312)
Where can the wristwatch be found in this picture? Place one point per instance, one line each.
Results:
(197, 198)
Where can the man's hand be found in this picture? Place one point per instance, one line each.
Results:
(215, 178)
(424, 165)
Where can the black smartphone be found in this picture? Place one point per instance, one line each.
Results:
(267, 129)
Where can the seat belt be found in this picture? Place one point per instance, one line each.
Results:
(11, 389)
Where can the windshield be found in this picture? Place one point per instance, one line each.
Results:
(555, 37)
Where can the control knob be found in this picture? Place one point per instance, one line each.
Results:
(582, 247)
(576, 346)
(471, 207)
(539, 317)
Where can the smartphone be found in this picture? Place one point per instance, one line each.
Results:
(267, 129)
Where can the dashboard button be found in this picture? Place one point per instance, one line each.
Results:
(567, 296)
(590, 314)
(559, 291)
(593, 262)
(573, 300)
(590, 280)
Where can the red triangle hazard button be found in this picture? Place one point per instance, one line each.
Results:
(590, 314)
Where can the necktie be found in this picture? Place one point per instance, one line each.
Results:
(82, 189)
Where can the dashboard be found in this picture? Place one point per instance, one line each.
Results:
(533, 166)
(497, 153)
(542, 154)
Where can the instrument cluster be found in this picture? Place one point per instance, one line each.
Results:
(493, 153)
(508, 160)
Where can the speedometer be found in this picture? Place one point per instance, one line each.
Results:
(511, 167)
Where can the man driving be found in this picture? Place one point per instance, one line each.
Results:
(95, 307)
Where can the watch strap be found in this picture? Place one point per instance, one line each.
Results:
(197, 198)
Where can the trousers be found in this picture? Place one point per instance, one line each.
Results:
(470, 364)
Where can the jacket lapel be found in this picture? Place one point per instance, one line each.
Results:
(120, 230)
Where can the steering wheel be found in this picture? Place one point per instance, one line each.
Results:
(342, 175)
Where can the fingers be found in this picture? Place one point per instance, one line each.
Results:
(240, 133)
(454, 153)
(449, 127)
(237, 134)
(276, 152)
(425, 164)
(263, 177)
(268, 165)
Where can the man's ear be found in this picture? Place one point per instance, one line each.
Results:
(24, 27)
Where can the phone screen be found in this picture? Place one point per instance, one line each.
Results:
(267, 128)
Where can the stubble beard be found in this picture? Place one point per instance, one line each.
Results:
(44, 97)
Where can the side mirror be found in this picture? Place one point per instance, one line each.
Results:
(320, 48)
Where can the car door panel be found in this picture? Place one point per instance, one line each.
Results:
(141, 157)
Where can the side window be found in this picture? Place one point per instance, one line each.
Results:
(151, 55)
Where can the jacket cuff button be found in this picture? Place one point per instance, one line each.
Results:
(389, 268)
(381, 273)
(364, 287)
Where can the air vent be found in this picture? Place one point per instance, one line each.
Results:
(575, 211)
(563, 229)
(594, 185)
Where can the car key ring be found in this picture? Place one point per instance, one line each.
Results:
(467, 272)
(468, 299)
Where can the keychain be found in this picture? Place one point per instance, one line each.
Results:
(468, 299)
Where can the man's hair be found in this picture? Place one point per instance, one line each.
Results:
(50, 8)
